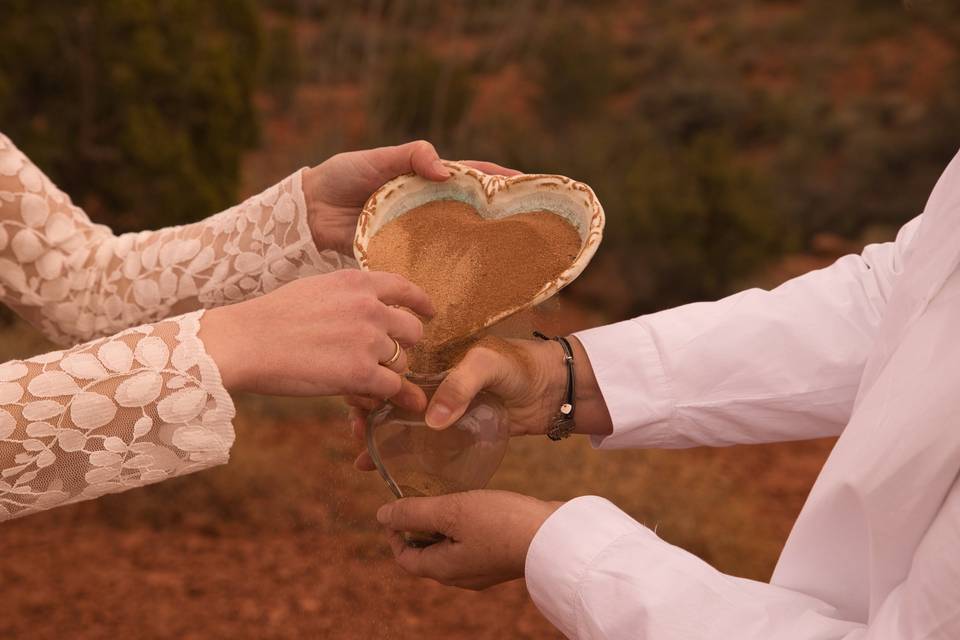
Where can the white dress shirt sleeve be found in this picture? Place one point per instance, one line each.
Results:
(758, 366)
(596, 573)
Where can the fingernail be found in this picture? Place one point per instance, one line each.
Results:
(437, 415)
(383, 514)
(441, 169)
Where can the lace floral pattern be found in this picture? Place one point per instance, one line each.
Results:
(147, 403)
(108, 415)
(75, 280)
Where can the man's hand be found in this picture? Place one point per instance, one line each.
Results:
(488, 534)
(528, 376)
(337, 189)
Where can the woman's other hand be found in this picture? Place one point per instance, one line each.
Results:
(337, 189)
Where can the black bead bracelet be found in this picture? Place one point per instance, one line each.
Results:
(563, 423)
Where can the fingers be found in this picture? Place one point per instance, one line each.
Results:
(419, 157)
(391, 355)
(432, 562)
(438, 514)
(479, 369)
(363, 402)
(404, 326)
(383, 383)
(410, 397)
(490, 167)
(357, 419)
(364, 462)
(394, 289)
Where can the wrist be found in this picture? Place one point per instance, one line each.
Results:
(221, 337)
(551, 381)
(544, 510)
(310, 184)
(593, 417)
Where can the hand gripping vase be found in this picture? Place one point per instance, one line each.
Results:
(415, 460)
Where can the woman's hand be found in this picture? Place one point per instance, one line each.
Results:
(322, 335)
(337, 189)
(488, 535)
(529, 377)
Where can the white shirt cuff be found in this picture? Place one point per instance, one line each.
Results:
(633, 382)
(564, 549)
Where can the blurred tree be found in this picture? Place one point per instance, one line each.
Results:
(280, 71)
(139, 109)
(575, 66)
(697, 218)
(418, 95)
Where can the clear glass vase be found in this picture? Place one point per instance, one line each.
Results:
(415, 460)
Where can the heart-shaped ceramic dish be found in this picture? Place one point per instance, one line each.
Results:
(494, 197)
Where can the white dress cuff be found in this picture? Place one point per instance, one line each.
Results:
(564, 549)
(633, 382)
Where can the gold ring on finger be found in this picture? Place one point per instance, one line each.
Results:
(396, 353)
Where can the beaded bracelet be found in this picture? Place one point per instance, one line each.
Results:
(563, 422)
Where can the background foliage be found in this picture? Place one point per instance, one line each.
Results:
(717, 138)
(140, 110)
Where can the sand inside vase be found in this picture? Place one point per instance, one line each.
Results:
(414, 484)
(472, 268)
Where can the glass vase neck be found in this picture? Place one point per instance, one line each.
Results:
(427, 381)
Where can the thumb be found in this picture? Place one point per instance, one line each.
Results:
(418, 156)
(421, 514)
(479, 369)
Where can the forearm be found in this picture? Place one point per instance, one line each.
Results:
(136, 408)
(596, 573)
(76, 280)
(758, 366)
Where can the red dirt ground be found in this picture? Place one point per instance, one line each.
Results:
(282, 542)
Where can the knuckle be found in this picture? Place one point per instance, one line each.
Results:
(455, 389)
(358, 375)
(413, 325)
(351, 276)
(390, 280)
(411, 566)
(449, 517)
(392, 385)
(479, 357)
(369, 308)
(446, 574)
(398, 512)
(366, 337)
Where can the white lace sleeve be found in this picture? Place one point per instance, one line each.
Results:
(145, 404)
(119, 412)
(76, 280)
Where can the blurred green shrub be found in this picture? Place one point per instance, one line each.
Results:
(575, 72)
(419, 95)
(139, 110)
(280, 70)
(697, 217)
